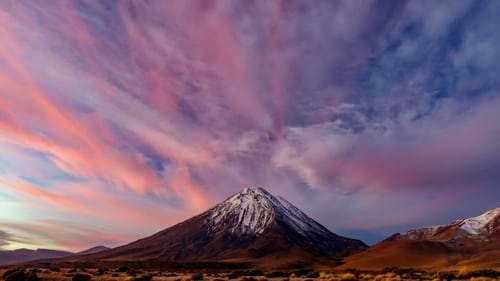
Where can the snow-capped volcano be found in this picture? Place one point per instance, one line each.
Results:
(251, 226)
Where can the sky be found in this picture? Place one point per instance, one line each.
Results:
(121, 118)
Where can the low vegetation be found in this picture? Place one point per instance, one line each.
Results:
(20, 275)
(197, 277)
(81, 277)
(128, 274)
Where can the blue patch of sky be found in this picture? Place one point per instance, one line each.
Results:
(188, 111)
(133, 144)
(7, 196)
(195, 176)
(10, 165)
(369, 238)
(35, 181)
(154, 161)
(430, 65)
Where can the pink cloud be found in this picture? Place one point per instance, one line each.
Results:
(155, 111)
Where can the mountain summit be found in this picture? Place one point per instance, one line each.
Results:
(250, 226)
(253, 210)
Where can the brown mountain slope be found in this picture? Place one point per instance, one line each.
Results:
(92, 250)
(403, 254)
(488, 257)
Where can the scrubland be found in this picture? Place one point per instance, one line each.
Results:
(128, 274)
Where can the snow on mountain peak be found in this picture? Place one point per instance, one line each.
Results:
(253, 210)
(478, 225)
(250, 211)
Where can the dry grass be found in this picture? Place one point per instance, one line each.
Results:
(482, 279)
(366, 276)
(463, 271)
(389, 276)
(344, 277)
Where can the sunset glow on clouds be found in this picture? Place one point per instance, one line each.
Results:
(121, 118)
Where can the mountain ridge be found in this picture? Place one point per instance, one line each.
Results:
(469, 242)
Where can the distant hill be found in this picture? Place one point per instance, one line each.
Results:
(25, 255)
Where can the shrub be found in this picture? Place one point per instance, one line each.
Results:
(302, 272)
(9, 272)
(312, 274)
(234, 274)
(19, 275)
(248, 279)
(54, 269)
(197, 276)
(325, 275)
(410, 273)
(31, 276)
(389, 276)
(391, 269)
(238, 273)
(122, 269)
(81, 277)
(132, 272)
(485, 273)
(101, 271)
(143, 278)
(365, 276)
(447, 276)
(254, 272)
(15, 275)
(463, 271)
(276, 274)
(348, 276)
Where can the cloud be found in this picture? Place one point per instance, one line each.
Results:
(56, 235)
(4, 238)
(158, 110)
(430, 153)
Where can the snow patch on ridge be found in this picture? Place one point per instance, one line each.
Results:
(422, 233)
(478, 225)
(299, 221)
